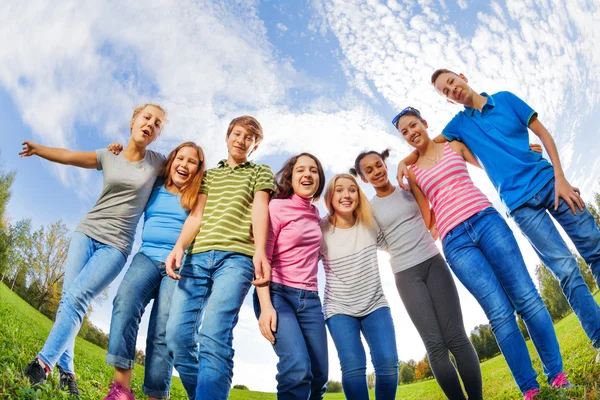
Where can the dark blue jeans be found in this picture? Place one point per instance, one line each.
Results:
(204, 311)
(300, 343)
(378, 329)
(145, 280)
(533, 218)
(485, 257)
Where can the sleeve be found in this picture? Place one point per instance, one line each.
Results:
(205, 183)
(274, 228)
(100, 158)
(265, 179)
(522, 110)
(381, 242)
(452, 129)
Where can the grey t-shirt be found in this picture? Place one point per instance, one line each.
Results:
(127, 187)
(409, 241)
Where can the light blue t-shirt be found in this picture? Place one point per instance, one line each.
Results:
(163, 219)
(498, 136)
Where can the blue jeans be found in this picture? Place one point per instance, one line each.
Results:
(145, 280)
(378, 329)
(204, 311)
(300, 343)
(485, 257)
(533, 218)
(90, 267)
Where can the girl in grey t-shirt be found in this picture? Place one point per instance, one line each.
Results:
(101, 243)
(423, 278)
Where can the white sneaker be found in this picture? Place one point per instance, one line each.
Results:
(598, 357)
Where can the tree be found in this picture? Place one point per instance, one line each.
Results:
(423, 369)
(586, 272)
(407, 374)
(240, 387)
(18, 241)
(552, 294)
(140, 358)
(46, 257)
(484, 342)
(371, 380)
(594, 208)
(6, 181)
(333, 387)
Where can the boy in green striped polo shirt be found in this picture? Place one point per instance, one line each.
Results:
(224, 257)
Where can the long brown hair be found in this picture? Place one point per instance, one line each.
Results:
(189, 191)
(363, 213)
(283, 178)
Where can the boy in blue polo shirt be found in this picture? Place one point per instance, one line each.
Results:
(495, 128)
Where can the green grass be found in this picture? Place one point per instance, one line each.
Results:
(23, 331)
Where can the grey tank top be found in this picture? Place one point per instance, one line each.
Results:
(127, 187)
(409, 241)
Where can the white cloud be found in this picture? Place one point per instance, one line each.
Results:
(282, 27)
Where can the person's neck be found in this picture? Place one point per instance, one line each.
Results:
(344, 220)
(134, 152)
(232, 162)
(385, 190)
(428, 150)
(477, 101)
(173, 188)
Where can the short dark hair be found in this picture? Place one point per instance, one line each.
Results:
(356, 170)
(436, 74)
(283, 178)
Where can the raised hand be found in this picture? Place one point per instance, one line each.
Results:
(29, 149)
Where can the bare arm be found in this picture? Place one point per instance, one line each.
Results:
(82, 159)
(267, 322)
(410, 160)
(421, 199)
(260, 229)
(189, 231)
(562, 187)
(465, 153)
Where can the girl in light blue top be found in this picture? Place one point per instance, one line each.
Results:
(170, 203)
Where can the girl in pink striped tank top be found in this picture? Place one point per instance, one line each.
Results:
(482, 252)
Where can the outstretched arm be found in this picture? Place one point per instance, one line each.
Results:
(82, 159)
(563, 189)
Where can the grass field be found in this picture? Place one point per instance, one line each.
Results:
(23, 331)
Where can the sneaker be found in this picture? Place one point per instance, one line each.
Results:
(119, 392)
(598, 357)
(68, 383)
(531, 394)
(561, 382)
(36, 372)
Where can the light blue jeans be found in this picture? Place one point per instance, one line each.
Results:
(204, 311)
(533, 218)
(145, 280)
(485, 257)
(91, 266)
(378, 329)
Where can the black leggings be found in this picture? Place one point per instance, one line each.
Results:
(429, 295)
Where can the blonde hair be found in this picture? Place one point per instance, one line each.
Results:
(189, 191)
(139, 109)
(364, 211)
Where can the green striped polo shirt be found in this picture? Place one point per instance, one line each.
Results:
(227, 218)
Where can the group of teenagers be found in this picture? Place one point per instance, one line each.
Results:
(209, 235)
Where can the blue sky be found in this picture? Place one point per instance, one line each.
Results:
(324, 76)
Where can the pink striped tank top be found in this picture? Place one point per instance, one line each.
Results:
(448, 186)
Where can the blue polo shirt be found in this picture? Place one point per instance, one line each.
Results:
(498, 136)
